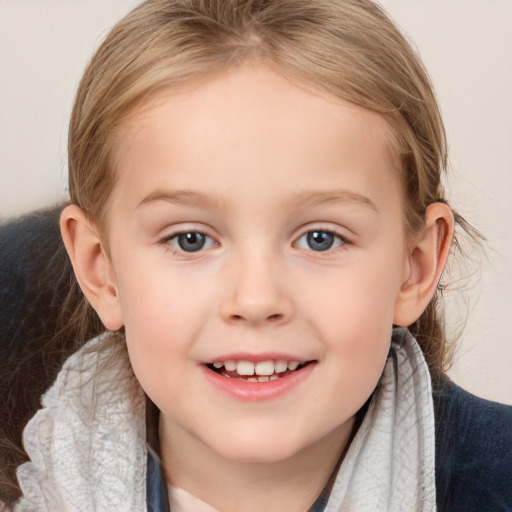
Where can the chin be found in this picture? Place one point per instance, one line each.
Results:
(257, 448)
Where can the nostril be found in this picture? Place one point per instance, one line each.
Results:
(271, 318)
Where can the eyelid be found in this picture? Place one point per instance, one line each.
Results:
(183, 229)
(207, 237)
(324, 229)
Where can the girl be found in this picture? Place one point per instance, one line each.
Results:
(257, 217)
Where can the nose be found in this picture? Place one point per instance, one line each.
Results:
(255, 293)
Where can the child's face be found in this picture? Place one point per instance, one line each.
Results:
(295, 252)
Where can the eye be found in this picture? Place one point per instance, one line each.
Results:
(191, 241)
(318, 240)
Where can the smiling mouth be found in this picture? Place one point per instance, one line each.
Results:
(262, 371)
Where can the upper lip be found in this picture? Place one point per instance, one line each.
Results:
(256, 358)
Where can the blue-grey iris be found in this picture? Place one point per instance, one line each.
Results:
(191, 242)
(320, 240)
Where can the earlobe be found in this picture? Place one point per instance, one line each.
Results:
(92, 266)
(427, 258)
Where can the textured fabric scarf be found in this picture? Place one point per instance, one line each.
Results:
(87, 444)
(88, 452)
(390, 463)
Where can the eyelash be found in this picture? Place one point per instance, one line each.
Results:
(337, 240)
(332, 244)
(208, 240)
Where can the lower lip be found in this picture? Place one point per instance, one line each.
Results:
(258, 391)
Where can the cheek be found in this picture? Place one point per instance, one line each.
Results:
(352, 310)
(360, 298)
(163, 311)
(150, 309)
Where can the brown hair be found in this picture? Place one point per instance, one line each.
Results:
(349, 49)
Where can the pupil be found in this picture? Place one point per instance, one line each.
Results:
(191, 242)
(320, 240)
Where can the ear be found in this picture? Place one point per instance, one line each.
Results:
(91, 264)
(426, 260)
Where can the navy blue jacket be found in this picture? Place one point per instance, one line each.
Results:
(473, 452)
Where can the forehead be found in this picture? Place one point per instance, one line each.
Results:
(246, 122)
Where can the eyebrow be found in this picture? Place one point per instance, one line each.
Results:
(179, 197)
(311, 199)
(301, 199)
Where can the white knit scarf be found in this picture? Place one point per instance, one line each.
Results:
(389, 466)
(88, 452)
(86, 444)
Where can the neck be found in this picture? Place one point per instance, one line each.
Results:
(229, 485)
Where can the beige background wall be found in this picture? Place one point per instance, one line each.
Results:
(467, 47)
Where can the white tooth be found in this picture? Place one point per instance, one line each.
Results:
(252, 379)
(264, 368)
(263, 378)
(230, 366)
(292, 365)
(273, 377)
(245, 368)
(218, 364)
(281, 366)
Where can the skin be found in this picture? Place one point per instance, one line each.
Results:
(263, 162)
